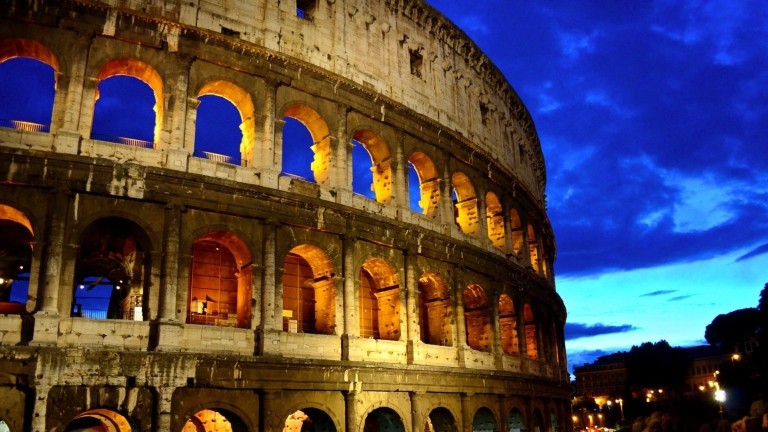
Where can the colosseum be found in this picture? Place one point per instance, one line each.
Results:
(370, 253)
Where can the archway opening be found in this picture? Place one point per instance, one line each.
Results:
(516, 228)
(495, 220)
(477, 318)
(220, 281)
(516, 421)
(128, 104)
(371, 167)
(309, 420)
(423, 184)
(306, 145)
(98, 420)
(465, 204)
(27, 89)
(434, 310)
(111, 271)
(440, 420)
(484, 421)
(508, 325)
(214, 420)
(124, 112)
(309, 292)
(383, 420)
(218, 134)
(533, 248)
(531, 333)
(15, 260)
(379, 300)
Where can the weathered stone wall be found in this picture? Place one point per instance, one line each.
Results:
(394, 70)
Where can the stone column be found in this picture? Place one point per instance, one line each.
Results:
(176, 112)
(267, 411)
(170, 276)
(351, 321)
(466, 411)
(268, 277)
(164, 402)
(264, 161)
(66, 109)
(417, 411)
(411, 301)
(40, 414)
(341, 165)
(350, 416)
(57, 215)
(401, 188)
(446, 203)
(87, 107)
(496, 328)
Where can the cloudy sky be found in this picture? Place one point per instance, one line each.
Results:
(653, 119)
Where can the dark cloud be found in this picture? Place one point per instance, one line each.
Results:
(579, 330)
(580, 358)
(679, 298)
(658, 293)
(754, 252)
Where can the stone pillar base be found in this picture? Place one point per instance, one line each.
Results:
(46, 328)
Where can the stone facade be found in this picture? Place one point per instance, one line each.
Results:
(243, 298)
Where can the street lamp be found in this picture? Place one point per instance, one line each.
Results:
(720, 398)
(620, 401)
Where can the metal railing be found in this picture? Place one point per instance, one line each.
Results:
(25, 126)
(132, 142)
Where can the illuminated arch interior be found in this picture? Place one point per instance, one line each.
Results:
(100, 420)
(508, 325)
(321, 141)
(477, 317)
(380, 164)
(309, 294)
(12, 48)
(15, 260)
(516, 226)
(144, 72)
(210, 420)
(516, 421)
(309, 419)
(440, 420)
(434, 310)
(379, 300)
(220, 281)
(484, 421)
(531, 336)
(465, 207)
(495, 220)
(533, 248)
(111, 271)
(383, 419)
(429, 183)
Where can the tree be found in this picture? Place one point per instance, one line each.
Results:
(728, 330)
(656, 366)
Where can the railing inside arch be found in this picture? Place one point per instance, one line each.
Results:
(24, 125)
(216, 157)
(132, 142)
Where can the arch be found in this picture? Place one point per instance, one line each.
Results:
(440, 420)
(538, 421)
(309, 419)
(516, 228)
(428, 188)
(99, 420)
(434, 310)
(533, 248)
(214, 420)
(144, 72)
(516, 421)
(220, 281)
(15, 260)
(244, 104)
(465, 203)
(309, 292)
(383, 419)
(320, 146)
(495, 220)
(477, 318)
(112, 270)
(508, 325)
(531, 333)
(380, 165)
(29, 76)
(554, 424)
(13, 48)
(379, 300)
(484, 421)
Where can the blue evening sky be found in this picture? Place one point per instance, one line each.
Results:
(653, 119)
